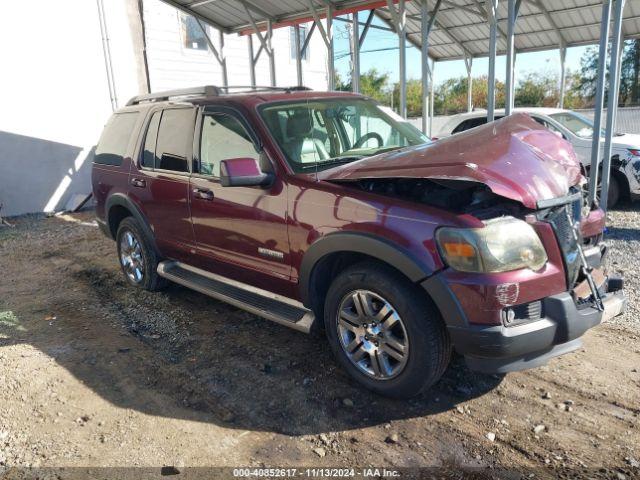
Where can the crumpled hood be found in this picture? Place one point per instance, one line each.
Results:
(515, 157)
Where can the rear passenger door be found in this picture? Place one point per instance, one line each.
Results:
(159, 180)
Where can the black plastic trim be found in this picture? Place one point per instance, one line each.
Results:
(381, 249)
(446, 301)
(124, 201)
(497, 348)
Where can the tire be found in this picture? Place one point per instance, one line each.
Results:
(138, 259)
(411, 353)
(615, 189)
(613, 196)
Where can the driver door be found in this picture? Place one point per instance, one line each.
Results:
(240, 232)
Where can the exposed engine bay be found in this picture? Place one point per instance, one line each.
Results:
(458, 196)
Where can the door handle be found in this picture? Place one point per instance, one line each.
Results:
(203, 193)
(138, 182)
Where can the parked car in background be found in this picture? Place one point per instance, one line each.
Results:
(577, 129)
(319, 210)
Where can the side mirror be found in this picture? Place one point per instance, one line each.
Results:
(243, 172)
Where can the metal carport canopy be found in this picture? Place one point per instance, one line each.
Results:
(448, 30)
(460, 30)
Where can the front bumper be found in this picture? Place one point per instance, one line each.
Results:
(499, 349)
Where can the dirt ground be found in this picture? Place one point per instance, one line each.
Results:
(98, 374)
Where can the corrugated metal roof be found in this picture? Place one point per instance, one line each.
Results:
(461, 26)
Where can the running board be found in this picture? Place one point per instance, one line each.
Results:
(260, 302)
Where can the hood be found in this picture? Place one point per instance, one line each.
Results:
(626, 140)
(515, 157)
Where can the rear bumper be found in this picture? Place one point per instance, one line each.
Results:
(499, 349)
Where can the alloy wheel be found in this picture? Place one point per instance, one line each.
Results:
(131, 257)
(372, 335)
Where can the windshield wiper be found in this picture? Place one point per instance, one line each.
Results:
(335, 160)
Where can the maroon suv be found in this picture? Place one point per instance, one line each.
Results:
(327, 210)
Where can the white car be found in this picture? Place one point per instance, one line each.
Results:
(577, 129)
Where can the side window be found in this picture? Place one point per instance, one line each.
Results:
(223, 137)
(113, 143)
(462, 127)
(175, 137)
(149, 152)
(549, 126)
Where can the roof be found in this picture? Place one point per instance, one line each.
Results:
(209, 94)
(460, 29)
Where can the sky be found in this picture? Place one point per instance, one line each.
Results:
(387, 61)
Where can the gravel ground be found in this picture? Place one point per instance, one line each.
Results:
(623, 240)
(96, 374)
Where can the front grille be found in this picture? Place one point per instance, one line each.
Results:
(557, 217)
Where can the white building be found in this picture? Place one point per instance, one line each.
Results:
(84, 61)
(178, 55)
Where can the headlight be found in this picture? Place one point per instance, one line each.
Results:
(502, 245)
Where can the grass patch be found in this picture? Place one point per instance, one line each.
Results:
(9, 319)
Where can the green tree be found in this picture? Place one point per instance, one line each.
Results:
(372, 84)
(451, 95)
(537, 90)
(629, 75)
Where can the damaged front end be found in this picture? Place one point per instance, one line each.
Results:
(529, 280)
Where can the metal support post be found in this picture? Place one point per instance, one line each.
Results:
(468, 62)
(217, 54)
(492, 8)
(432, 96)
(223, 59)
(426, 23)
(597, 119)
(399, 20)
(330, 62)
(367, 25)
(402, 45)
(272, 57)
(563, 80)
(252, 63)
(298, 54)
(355, 54)
(511, 27)
(612, 100)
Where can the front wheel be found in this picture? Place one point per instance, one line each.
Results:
(385, 331)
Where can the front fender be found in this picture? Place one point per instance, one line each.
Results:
(381, 249)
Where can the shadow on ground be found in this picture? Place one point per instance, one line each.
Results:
(181, 354)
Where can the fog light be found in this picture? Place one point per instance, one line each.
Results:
(509, 316)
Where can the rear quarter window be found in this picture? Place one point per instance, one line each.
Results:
(114, 141)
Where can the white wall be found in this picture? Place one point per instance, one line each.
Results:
(54, 97)
(173, 66)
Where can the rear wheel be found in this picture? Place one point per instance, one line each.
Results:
(385, 332)
(138, 259)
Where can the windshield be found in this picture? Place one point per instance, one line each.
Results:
(324, 133)
(579, 125)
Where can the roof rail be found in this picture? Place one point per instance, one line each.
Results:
(209, 91)
(258, 88)
(205, 91)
